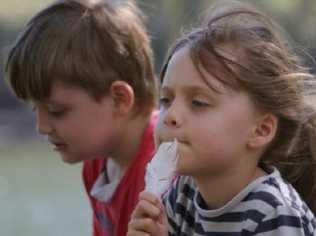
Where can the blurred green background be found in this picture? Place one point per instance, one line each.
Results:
(39, 194)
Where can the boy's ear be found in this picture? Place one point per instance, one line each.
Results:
(123, 97)
(264, 131)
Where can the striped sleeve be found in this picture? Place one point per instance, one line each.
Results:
(178, 203)
(169, 201)
(279, 224)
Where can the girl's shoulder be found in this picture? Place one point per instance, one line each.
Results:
(276, 192)
(280, 206)
(273, 192)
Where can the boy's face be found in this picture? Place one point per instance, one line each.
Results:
(77, 126)
(212, 128)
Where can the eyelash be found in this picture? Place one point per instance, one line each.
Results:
(164, 101)
(195, 104)
(57, 114)
(199, 104)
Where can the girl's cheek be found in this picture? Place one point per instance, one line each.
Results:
(158, 131)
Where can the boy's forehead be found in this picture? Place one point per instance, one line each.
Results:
(62, 91)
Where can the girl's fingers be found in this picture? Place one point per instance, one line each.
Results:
(147, 196)
(145, 208)
(142, 226)
(136, 233)
(163, 215)
(146, 217)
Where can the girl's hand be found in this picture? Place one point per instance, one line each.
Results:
(148, 217)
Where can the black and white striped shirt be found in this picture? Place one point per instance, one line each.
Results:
(268, 206)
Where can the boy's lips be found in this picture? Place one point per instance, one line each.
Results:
(58, 145)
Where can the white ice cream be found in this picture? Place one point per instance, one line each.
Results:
(161, 169)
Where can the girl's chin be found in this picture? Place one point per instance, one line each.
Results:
(180, 169)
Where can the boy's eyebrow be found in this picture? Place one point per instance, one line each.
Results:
(54, 102)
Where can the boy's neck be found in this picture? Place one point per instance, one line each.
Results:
(217, 192)
(130, 141)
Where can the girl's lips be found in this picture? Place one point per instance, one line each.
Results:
(179, 140)
(183, 142)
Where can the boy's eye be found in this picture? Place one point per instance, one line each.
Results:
(56, 113)
(32, 105)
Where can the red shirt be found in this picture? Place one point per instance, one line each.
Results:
(111, 218)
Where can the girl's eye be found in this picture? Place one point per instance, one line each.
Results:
(164, 101)
(199, 104)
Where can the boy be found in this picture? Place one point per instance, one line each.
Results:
(86, 66)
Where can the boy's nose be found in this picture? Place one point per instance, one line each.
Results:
(43, 124)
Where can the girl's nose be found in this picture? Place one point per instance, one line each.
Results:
(43, 124)
(172, 117)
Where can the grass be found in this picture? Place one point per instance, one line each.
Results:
(39, 194)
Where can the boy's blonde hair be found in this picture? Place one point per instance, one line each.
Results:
(263, 65)
(89, 44)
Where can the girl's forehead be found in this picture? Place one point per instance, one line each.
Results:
(182, 71)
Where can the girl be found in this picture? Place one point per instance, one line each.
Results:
(235, 97)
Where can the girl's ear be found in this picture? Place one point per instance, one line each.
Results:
(264, 132)
(123, 97)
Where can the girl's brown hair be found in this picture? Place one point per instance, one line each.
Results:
(86, 43)
(262, 64)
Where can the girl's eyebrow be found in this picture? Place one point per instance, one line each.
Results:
(191, 89)
(165, 90)
(197, 90)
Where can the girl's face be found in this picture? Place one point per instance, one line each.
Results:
(212, 129)
(77, 126)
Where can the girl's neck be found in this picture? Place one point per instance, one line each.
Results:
(217, 192)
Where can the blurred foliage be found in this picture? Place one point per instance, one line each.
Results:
(166, 19)
(15, 12)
